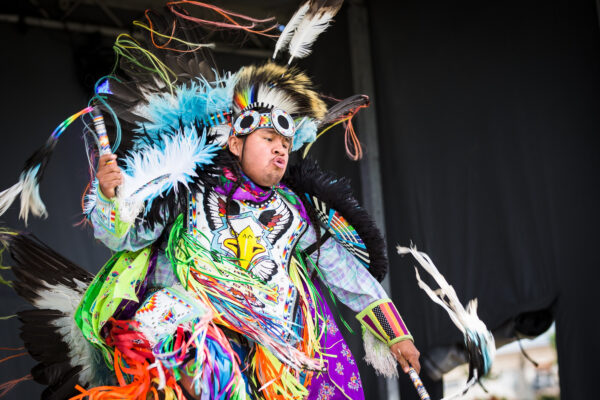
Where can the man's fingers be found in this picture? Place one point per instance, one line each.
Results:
(110, 176)
(403, 364)
(106, 158)
(402, 361)
(106, 169)
(111, 184)
(414, 362)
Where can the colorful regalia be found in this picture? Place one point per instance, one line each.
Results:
(215, 281)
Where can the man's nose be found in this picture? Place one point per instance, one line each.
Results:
(279, 148)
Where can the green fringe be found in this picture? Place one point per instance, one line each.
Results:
(331, 295)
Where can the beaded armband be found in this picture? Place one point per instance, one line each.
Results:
(383, 320)
(107, 211)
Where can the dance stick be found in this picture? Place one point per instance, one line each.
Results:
(416, 380)
(101, 132)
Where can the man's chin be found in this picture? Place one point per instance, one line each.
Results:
(273, 179)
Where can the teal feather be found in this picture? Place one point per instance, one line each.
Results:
(188, 105)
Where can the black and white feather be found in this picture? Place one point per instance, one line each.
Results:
(290, 29)
(311, 19)
(54, 286)
(28, 185)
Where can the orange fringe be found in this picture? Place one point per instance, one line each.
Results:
(140, 387)
(8, 386)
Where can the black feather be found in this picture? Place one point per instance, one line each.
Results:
(37, 266)
(343, 108)
(307, 177)
(38, 269)
(64, 388)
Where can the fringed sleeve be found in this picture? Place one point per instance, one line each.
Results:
(113, 232)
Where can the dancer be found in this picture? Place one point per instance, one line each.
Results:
(224, 255)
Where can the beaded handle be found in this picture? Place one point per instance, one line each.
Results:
(101, 132)
(416, 380)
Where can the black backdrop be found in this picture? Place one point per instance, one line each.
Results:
(487, 114)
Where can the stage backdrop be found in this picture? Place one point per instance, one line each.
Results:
(489, 116)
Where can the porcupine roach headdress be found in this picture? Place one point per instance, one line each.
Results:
(168, 112)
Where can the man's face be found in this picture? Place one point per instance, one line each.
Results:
(263, 155)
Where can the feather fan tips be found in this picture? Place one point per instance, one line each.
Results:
(290, 28)
(28, 188)
(8, 196)
(315, 21)
(156, 170)
(31, 202)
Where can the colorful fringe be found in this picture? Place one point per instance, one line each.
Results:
(282, 369)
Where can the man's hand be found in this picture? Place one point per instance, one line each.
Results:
(407, 355)
(109, 175)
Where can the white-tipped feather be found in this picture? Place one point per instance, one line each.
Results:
(28, 188)
(220, 133)
(307, 32)
(156, 170)
(379, 356)
(290, 28)
(31, 202)
(66, 300)
(8, 196)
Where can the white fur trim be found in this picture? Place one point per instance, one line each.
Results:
(379, 356)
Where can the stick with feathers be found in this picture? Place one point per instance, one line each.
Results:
(28, 184)
(479, 342)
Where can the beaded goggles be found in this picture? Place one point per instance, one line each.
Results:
(251, 120)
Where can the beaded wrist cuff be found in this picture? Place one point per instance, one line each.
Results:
(108, 215)
(383, 320)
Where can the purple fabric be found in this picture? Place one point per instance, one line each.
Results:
(370, 322)
(250, 191)
(342, 371)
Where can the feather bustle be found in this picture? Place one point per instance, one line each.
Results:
(55, 286)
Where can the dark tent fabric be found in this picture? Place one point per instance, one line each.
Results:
(488, 116)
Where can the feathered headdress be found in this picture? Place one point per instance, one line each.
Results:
(166, 84)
